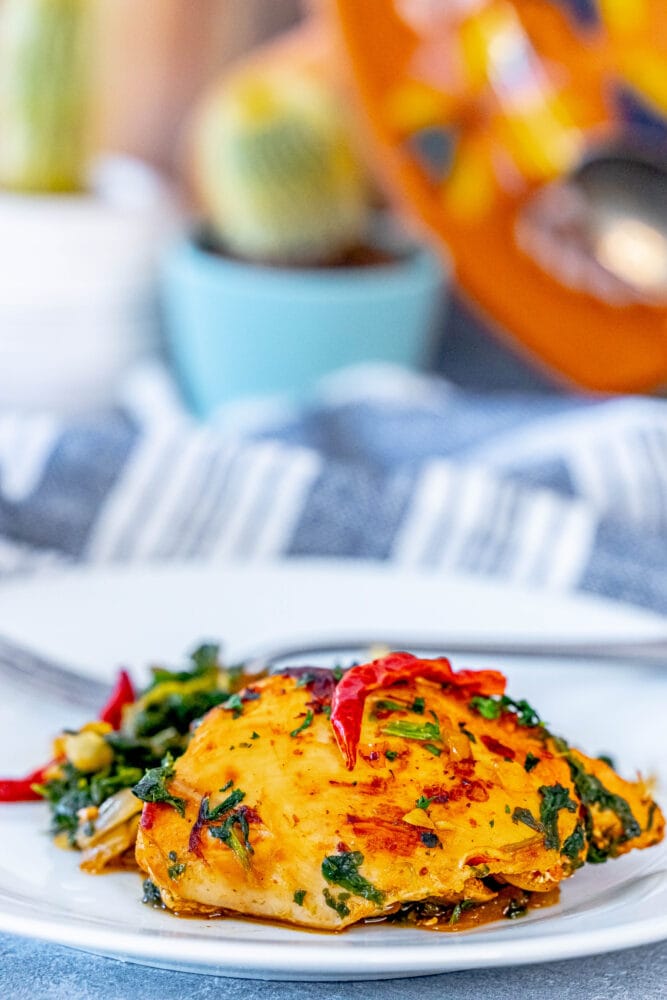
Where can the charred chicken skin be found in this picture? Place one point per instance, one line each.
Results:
(319, 801)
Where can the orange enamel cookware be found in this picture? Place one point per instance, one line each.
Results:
(482, 112)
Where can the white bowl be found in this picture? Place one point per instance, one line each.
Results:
(77, 286)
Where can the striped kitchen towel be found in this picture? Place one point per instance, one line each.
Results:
(558, 492)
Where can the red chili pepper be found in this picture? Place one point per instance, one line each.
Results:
(347, 704)
(122, 695)
(20, 789)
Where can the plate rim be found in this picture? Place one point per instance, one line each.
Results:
(274, 959)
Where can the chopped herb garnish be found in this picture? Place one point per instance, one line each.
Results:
(343, 870)
(526, 817)
(525, 713)
(255, 736)
(234, 704)
(492, 708)
(152, 895)
(422, 802)
(305, 724)
(337, 673)
(412, 730)
(429, 839)
(387, 705)
(326, 711)
(466, 732)
(651, 816)
(515, 909)
(299, 896)
(508, 810)
(432, 748)
(488, 708)
(530, 762)
(418, 706)
(175, 871)
(464, 904)
(391, 754)
(338, 904)
(554, 798)
(211, 816)
(153, 786)
(239, 843)
(492, 823)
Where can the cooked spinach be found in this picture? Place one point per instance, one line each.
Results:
(153, 786)
(575, 843)
(159, 723)
(73, 790)
(525, 816)
(592, 793)
(554, 798)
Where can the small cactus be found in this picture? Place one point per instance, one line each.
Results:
(277, 175)
(44, 94)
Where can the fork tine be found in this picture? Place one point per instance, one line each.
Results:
(43, 676)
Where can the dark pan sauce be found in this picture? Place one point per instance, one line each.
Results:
(509, 904)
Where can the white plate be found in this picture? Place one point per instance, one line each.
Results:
(98, 619)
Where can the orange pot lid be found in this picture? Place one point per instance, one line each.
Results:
(487, 116)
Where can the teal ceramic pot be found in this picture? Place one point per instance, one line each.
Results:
(236, 329)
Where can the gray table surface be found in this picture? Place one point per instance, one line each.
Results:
(30, 970)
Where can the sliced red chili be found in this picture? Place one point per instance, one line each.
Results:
(20, 789)
(347, 705)
(123, 694)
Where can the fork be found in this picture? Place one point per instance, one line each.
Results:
(43, 676)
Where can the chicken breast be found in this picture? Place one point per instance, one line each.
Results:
(449, 796)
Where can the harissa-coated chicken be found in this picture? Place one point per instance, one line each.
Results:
(403, 790)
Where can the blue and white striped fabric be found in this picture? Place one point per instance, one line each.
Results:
(548, 491)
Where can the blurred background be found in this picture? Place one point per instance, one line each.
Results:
(403, 261)
(264, 193)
